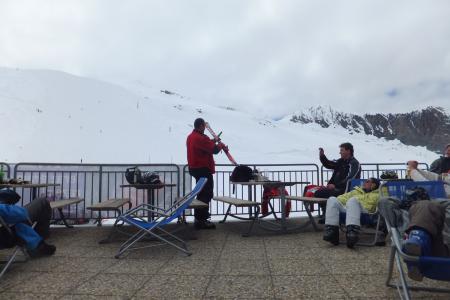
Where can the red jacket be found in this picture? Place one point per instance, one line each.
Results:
(200, 150)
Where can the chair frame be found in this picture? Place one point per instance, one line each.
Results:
(16, 249)
(162, 218)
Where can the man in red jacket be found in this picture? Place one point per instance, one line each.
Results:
(200, 150)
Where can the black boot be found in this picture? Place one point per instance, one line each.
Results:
(352, 235)
(331, 234)
(204, 225)
(43, 249)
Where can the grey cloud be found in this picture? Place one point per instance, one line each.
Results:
(271, 57)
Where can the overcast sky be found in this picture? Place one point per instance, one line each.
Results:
(272, 57)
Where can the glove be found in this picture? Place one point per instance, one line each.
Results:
(222, 146)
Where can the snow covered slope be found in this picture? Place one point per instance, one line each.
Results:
(50, 116)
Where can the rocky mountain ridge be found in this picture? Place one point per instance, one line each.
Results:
(429, 127)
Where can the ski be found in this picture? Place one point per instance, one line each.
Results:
(217, 139)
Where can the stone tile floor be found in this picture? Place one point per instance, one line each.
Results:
(223, 265)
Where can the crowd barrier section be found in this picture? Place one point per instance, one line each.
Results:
(94, 183)
(98, 182)
(373, 170)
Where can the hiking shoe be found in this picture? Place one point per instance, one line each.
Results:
(352, 235)
(199, 225)
(417, 244)
(43, 249)
(331, 234)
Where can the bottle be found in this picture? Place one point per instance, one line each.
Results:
(2, 174)
(408, 173)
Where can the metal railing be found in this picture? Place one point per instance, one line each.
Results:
(284, 172)
(94, 183)
(98, 182)
(373, 170)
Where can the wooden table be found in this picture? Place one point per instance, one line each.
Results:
(33, 186)
(277, 226)
(150, 187)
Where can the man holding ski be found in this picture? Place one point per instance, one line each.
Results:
(200, 151)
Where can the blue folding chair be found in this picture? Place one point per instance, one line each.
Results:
(367, 219)
(162, 217)
(436, 268)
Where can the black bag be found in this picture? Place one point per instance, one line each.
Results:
(389, 174)
(133, 175)
(241, 173)
(150, 178)
(412, 195)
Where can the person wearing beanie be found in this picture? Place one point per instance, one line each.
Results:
(362, 199)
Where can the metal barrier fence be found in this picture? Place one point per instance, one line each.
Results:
(283, 172)
(93, 183)
(373, 170)
(98, 182)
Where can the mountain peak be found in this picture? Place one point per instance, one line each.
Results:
(429, 127)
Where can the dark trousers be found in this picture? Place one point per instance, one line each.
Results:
(39, 211)
(206, 194)
(430, 216)
(326, 193)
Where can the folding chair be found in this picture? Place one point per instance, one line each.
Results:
(436, 268)
(134, 217)
(16, 249)
(367, 219)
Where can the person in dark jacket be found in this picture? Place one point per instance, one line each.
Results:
(442, 164)
(344, 169)
(200, 151)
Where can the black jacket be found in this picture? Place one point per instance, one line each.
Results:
(344, 170)
(440, 165)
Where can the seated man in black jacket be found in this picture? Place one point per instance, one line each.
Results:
(344, 169)
(442, 164)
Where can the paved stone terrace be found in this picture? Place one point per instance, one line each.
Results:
(224, 265)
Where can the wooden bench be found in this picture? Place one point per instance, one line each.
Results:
(239, 203)
(60, 204)
(307, 203)
(115, 205)
(197, 204)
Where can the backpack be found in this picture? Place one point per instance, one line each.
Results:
(241, 173)
(150, 178)
(133, 175)
(412, 195)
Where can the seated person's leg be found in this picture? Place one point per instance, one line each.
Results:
(39, 211)
(325, 193)
(425, 228)
(353, 221)
(33, 242)
(331, 233)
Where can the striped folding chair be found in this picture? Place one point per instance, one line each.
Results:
(153, 227)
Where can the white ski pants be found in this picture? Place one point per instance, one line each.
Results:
(353, 210)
